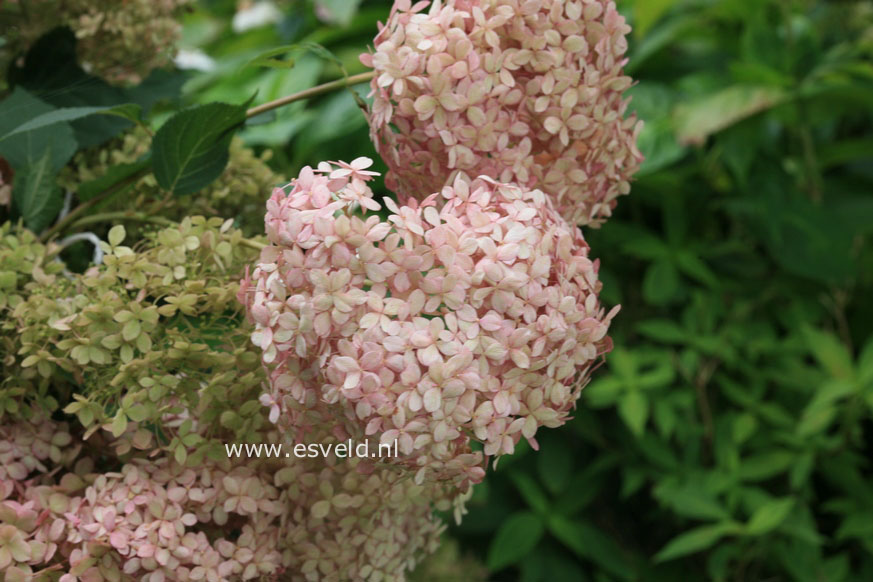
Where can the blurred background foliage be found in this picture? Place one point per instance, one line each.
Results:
(729, 435)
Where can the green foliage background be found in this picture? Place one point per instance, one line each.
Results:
(729, 435)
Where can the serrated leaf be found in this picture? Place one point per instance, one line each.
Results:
(516, 537)
(191, 149)
(695, 540)
(768, 517)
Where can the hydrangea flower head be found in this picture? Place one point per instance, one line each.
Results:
(526, 92)
(224, 520)
(472, 315)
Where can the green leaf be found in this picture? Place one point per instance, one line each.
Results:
(816, 420)
(268, 58)
(555, 465)
(653, 102)
(516, 537)
(129, 111)
(829, 352)
(691, 265)
(696, 121)
(661, 282)
(588, 542)
(695, 540)
(533, 495)
(663, 330)
(191, 149)
(36, 196)
(766, 465)
(50, 72)
(26, 148)
(634, 410)
(768, 517)
(647, 12)
(690, 500)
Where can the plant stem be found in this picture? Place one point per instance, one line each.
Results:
(119, 216)
(88, 204)
(311, 92)
(143, 217)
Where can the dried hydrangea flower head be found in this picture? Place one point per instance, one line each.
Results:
(470, 316)
(120, 41)
(526, 92)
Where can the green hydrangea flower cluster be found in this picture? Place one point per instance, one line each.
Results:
(24, 266)
(154, 330)
(238, 192)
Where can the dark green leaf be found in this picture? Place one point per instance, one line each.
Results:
(516, 537)
(36, 196)
(129, 111)
(588, 542)
(661, 283)
(191, 149)
(554, 464)
(765, 465)
(695, 540)
(51, 73)
(768, 517)
(26, 148)
(662, 330)
(533, 494)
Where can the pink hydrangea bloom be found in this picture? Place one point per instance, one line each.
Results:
(472, 315)
(524, 91)
(153, 520)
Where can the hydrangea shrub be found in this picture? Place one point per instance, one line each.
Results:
(455, 321)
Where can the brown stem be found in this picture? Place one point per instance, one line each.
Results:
(311, 92)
